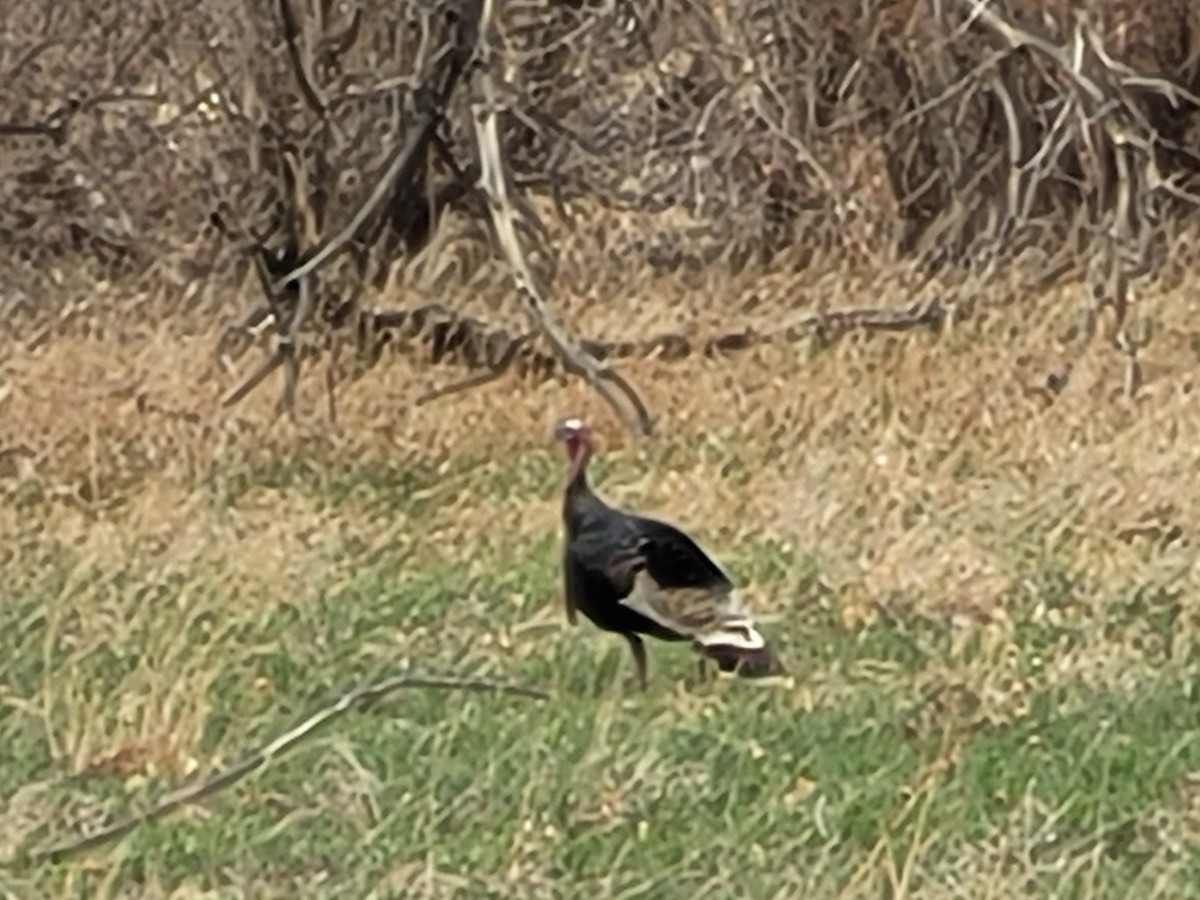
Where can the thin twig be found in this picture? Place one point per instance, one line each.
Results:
(458, 387)
(359, 698)
(268, 366)
(303, 311)
(292, 35)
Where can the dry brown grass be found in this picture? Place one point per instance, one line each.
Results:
(837, 448)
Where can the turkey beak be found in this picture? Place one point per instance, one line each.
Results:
(561, 432)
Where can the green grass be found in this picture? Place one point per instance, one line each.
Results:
(889, 767)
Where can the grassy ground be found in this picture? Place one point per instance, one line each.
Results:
(987, 602)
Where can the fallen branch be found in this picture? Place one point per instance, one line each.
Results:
(359, 698)
(487, 351)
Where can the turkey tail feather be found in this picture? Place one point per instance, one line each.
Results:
(713, 619)
(748, 662)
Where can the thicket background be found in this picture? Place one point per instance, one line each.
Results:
(165, 146)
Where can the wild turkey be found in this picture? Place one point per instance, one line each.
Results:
(639, 576)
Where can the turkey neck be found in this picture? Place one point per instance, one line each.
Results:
(579, 494)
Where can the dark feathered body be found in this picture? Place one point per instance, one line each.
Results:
(597, 575)
(634, 575)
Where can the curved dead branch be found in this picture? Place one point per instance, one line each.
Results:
(357, 699)
(506, 220)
